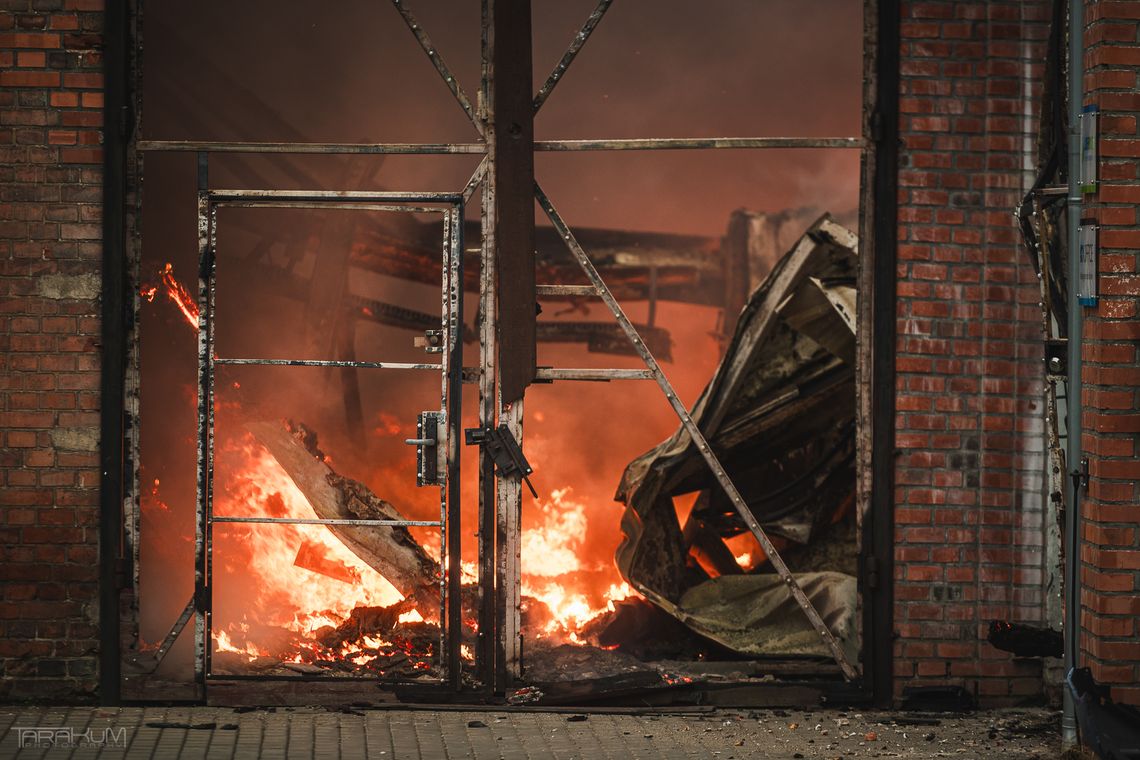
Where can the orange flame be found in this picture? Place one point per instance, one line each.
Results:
(176, 292)
(552, 565)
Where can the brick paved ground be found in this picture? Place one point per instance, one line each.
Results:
(202, 732)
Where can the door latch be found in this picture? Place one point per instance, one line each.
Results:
(431, 341)
(428, 470)
(504, 450)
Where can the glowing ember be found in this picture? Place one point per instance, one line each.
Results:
(412, 616)
(259, 562)
(301, 582)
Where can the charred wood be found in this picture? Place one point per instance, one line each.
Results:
(390, 550)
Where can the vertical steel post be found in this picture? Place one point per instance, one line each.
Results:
(512, 120)
(201, 629)
(509, 245)
(488, 353)
(453, 396)
(113, 369)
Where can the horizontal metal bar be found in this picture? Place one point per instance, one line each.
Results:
(333, 196)
(316, 521)
(566, 290)
(187, 146)
(322, 363)
(649, 143)
(364, 677)
(699, 143)
(587, 373)
(326, 205)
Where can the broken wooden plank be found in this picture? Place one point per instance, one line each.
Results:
(389, 549)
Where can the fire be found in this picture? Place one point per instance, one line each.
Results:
(552, 564)
(411, 616)
(551, 549)
(301, 579)
(176, 292)
(284, 570)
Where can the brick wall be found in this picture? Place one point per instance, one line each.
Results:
(969, 521)
(1110, 554)
(50, 117)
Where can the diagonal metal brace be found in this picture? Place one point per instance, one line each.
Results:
(571, 53)
(149, 661)
(697, 437)
(440, 66)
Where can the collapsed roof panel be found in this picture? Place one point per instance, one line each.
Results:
(780, 412)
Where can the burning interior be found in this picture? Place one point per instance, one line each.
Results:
(322, 540)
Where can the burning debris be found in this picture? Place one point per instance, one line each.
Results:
(780, 412)
(390, 549)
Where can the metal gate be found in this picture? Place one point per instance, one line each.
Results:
(437, 443)
(503, 118)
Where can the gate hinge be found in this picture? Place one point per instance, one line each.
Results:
(876, 125)
(200, 596)
(871, 572)
(504, 449)
(1081, 475)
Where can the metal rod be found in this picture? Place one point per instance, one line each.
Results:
(440, 66)
(699, 143)
(571, 53)
(365, 677)
(445, 531)
(552, 373)
(645, 143)
(201, 475)
(325, 206)
(210, 333)
(476, 179)
(174, 632)
(698, 438)
(324, 363)
(315, 521)
(565, 290)
(210, 146)
(331, 196)
(454, 420)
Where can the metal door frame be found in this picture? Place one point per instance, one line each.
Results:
(450, 206)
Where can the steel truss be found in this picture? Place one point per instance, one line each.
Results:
(500, 499)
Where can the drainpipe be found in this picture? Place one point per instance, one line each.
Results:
(1073, 390)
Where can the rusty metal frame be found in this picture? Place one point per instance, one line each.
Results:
(450, 207)
(499, 643)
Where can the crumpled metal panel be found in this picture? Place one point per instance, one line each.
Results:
(780, 412)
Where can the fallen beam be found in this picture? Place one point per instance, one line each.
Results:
(389, 549)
